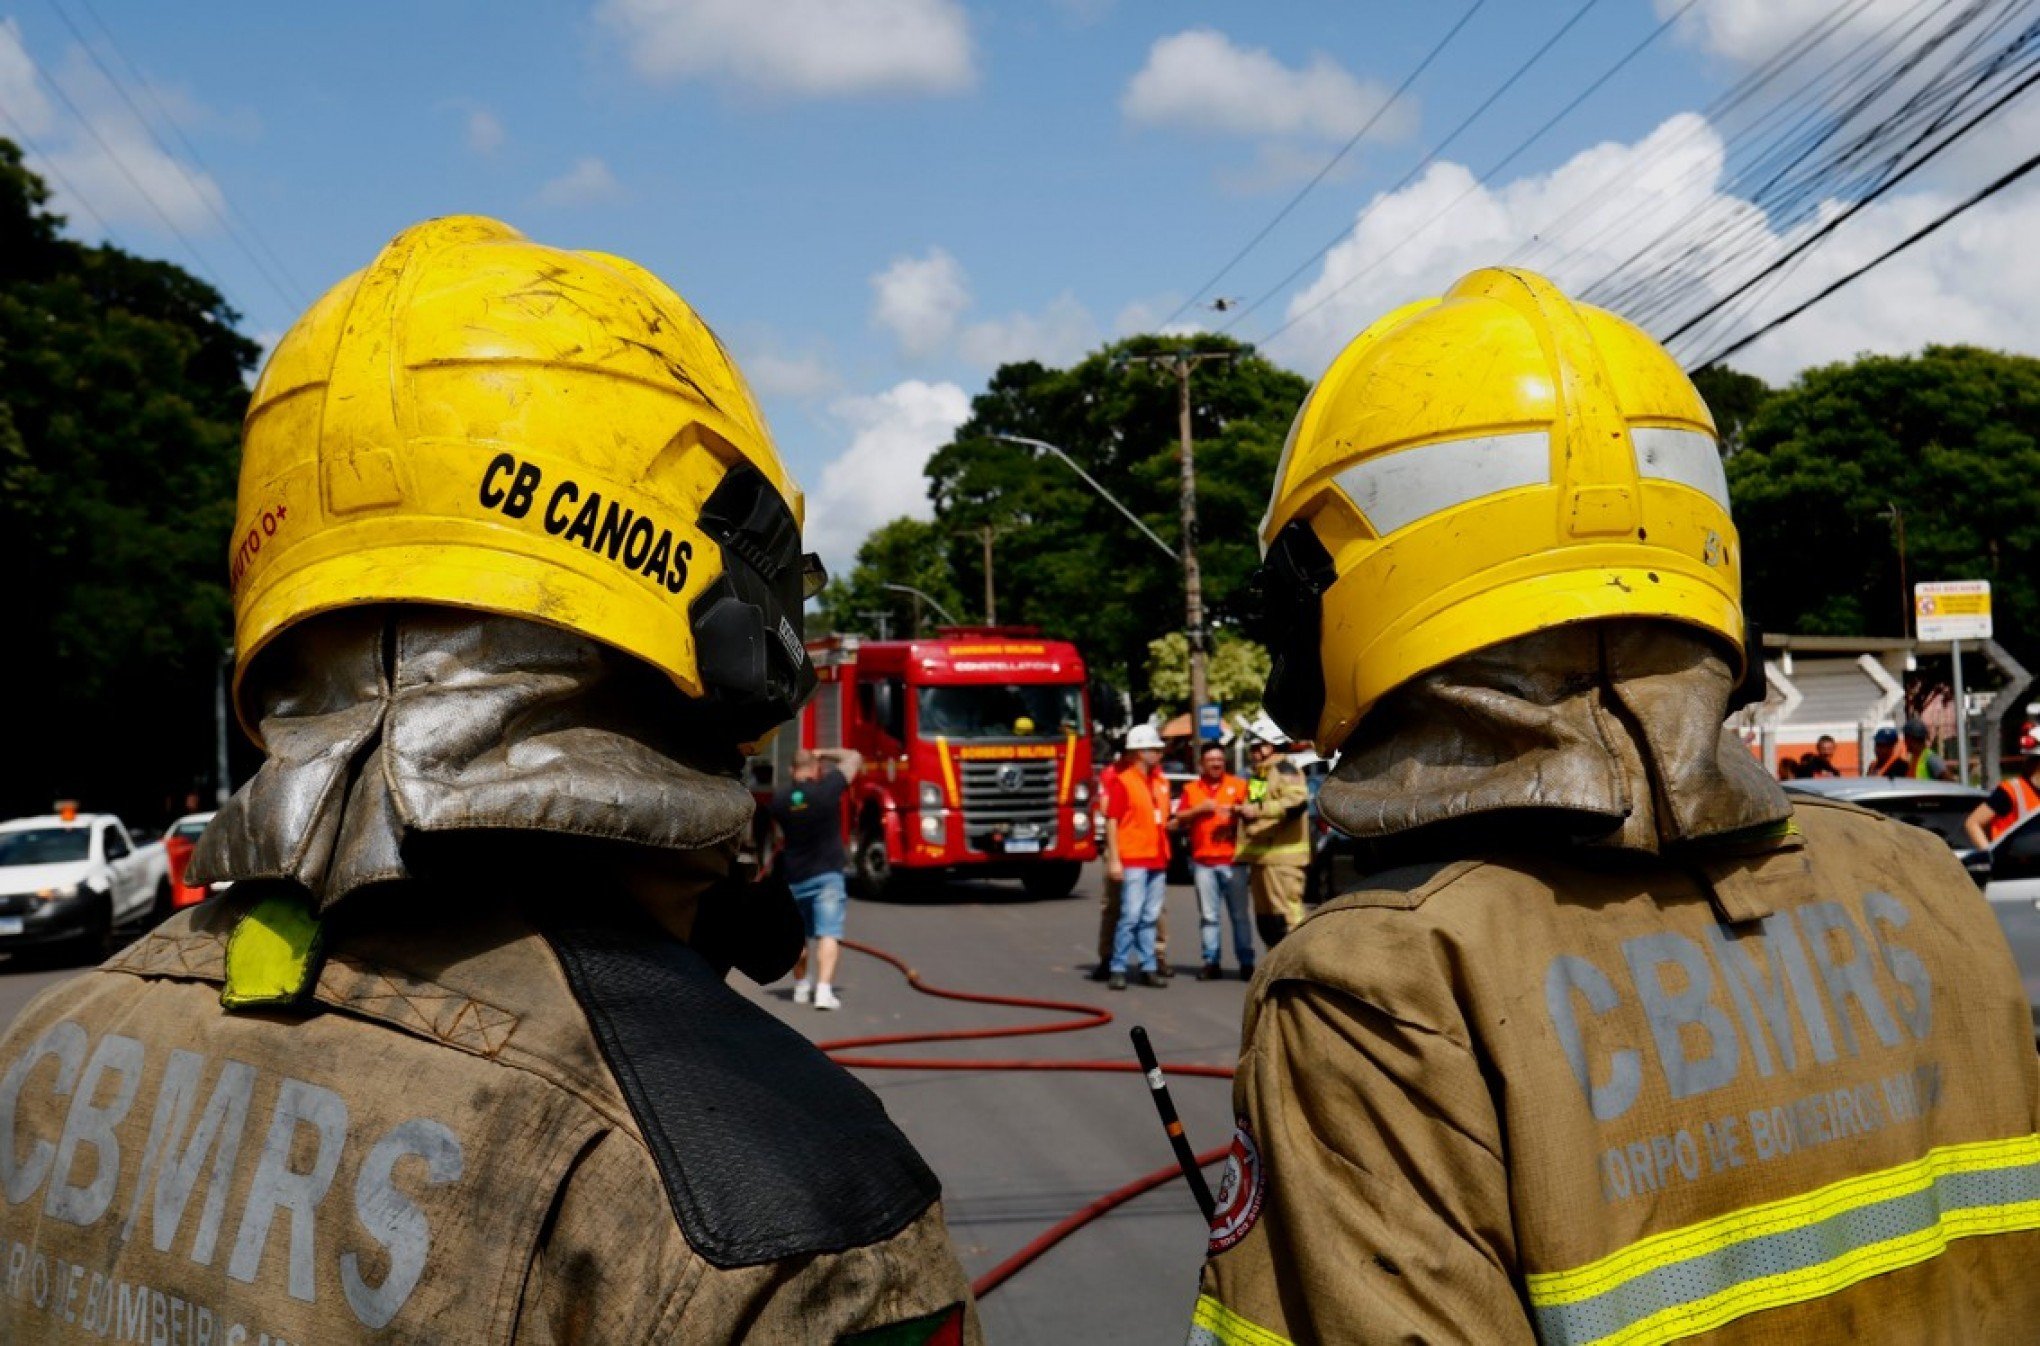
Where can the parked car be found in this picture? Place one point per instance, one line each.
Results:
(1938, 806)
(75, 877)
(2011, 874)
(2008, 872)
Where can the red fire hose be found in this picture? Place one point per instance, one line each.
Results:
(843, 1051)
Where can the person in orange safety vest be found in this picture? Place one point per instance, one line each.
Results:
(1210, 811)
(1137, 854)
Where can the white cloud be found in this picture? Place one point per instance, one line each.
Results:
(879, 476)
(1278, 164)
(1199, 80)
(484, 131)
(920, 299)
(1968, 283)
(800, 377)
(1058, 335)
(107, 165)
(1749, 32)
(800, 48)
(923, 300)
(20, 92)
(588, 183)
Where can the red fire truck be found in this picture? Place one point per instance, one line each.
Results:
(977, 756)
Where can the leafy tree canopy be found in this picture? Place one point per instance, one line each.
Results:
(1735, 398)
(1065, 559)
(906, 552)
(1948, 439)
(122, 382)
(1237, 673)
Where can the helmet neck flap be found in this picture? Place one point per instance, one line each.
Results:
(1606, 733)
(391, 727)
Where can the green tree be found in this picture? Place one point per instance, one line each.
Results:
(907, 552)
(1735, 398)
(122, 382)
(1950, 437)
(1067, 561)
(1237, 673)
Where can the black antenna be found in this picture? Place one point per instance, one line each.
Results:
(1158, 1089)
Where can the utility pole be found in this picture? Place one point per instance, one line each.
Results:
(1905, 594)
(991, 599)
(1182, 364)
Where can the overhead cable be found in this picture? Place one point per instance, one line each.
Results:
(1429, 158)
(1338, 156)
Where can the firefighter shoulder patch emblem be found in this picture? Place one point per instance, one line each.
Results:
(1240, 1187)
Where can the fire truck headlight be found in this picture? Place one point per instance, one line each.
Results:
(1080, 822)
(931, 796)
(931, 827)
(1080, 793)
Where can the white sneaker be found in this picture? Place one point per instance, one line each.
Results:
(825, 999)
(803, 991)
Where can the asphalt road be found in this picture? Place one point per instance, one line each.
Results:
(1016, 1152)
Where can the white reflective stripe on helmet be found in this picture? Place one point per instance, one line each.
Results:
(1689, 457)
(1397, 489)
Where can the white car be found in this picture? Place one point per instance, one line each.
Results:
(76, 877)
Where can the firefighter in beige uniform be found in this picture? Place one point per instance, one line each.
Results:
(516, 569)
(1623, 1047)
(1275, 834)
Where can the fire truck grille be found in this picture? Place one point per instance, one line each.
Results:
(1017, 798)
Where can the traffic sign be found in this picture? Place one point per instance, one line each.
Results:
(1209, 724)
(1952, 610)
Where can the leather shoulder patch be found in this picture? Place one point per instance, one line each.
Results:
(768, 1150)
(1403, 888)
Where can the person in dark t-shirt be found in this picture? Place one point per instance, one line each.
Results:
(808, 810)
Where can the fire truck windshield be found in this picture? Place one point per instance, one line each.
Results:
(991, 710)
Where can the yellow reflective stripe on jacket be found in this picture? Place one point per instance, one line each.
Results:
(1695, 1279)
(1216, 1325)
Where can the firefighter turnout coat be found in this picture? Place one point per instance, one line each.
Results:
(1783, 1093)
(470, 1132)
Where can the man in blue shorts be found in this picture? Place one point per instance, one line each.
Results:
(809, 812)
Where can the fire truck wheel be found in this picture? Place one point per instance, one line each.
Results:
(1051, 882)
(876, 877)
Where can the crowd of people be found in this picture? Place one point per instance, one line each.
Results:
(1897, 754)
(1249, 847)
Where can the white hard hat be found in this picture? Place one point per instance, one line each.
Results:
(1143, 736)
(1266, 730)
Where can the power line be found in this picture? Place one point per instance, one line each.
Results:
(1745, 90)
(1330, 164)
(1977, 199)
(121, 165)
(1493, 170)
(1423, 163)
(1830, 179)
(1857, 169)
(44, 162)
(292, 297)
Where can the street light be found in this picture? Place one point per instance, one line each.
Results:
(1092, 482)
(940, 611)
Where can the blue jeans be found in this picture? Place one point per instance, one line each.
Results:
(820, 900)
(1223, 886)
(1140, 906)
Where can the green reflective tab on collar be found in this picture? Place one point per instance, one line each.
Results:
(273, 954)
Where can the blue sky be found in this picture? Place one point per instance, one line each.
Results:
(874, 201)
